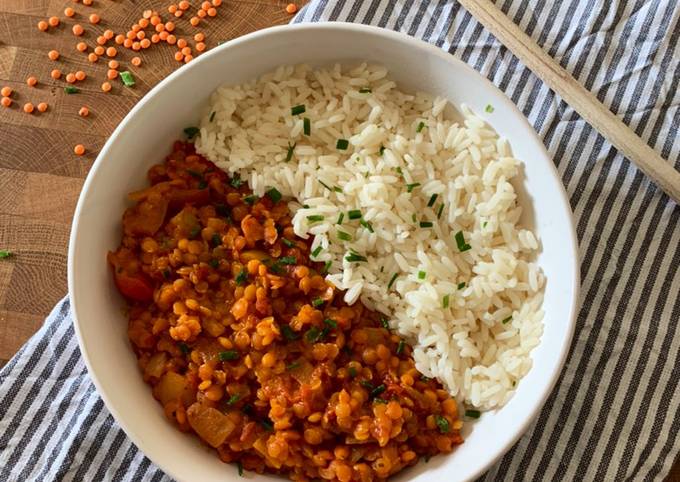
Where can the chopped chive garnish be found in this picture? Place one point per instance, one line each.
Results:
(394, 278)
(239, 466)
(4, 254)
(233, 399)
(228, 355)
(297, 110)
(355, 258)
(166, 271)
(411, 187)
(366, 384)
(365, 90)
(195, 231)
(327, 266)
(214, 263)
(236, 181)
(484, 224)
(342, 144)
(344, 236)
(442, 423)
(460, 241)
(274, 195)
(195, 174)
(216, 240)
(306, 126)
(267, 425)
(378, 390)
(291, 148)
(127, 78)
(241, 277)
(352, 372)
(367, 225)
(489, 108)
(251, 199)
(354, 214)
(293, 365)
(445, 302)
(340, 218)
(315, 218)
(287, 260)
(382, 150)
(327, 186)
(184, 348)
(385, 323)
(461, 285)
(313, 334)
(413, 217)
(440, 211)
(316, 302)
(420, 127)
(212, 116)
(69, 89)
(400, 347)
(507, 320)
(425, 224)
(473, 413)
(337, 189)
(288, 242)
(316, 252)
(422, 274)
(398, 169)
(288, 333)
(432, 200)
(331, 323)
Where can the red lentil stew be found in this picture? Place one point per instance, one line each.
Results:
(245, 344)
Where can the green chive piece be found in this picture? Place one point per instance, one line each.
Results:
(228, 355)
(460, 241)
(440, 211)
(340, 218)
(288, 242)
(194, 174)
(507, 320)
(288, 333)
(420, 127)
(354, 214)
(214, 263)
(127, 78)
(195, 231)
(367, 225)
(411, 187)
(413, 217)
(233, 399)
(326, 186)
(236, 181)
(461, 285)
(166, 273)
(4, 254)
(400, 347)
(378, 390)
(484, 224)
(287, 260)
(422, 274)
(385, 323)
(445, 302)
(316, 252)
(394, 278)
(241, 277)
(313, 334)
(267, 425)
(352, 372)
(315, 218)
(327, 266)
(191, 132)
(331, 323)
(251, 199)
(366, 384)
(355, 258)
(307, 126)
(425, 224)
(298, 109)
(316, 302)
(293, 365)
(382, 150)
(473, 413)
(337, 189)
(365, 90)
(489, 108)
(342, 144)
(69, 89)
(239, 466)
(274, 195)
(344, 236)
(432, 200)
(442, 423)
(212, 116)
(291, 148)
(216, 240)
(184, 348)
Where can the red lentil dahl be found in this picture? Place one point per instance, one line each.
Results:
(246, 345)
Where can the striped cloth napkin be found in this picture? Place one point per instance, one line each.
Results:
(615, 413)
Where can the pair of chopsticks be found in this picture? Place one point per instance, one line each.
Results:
(578, 97)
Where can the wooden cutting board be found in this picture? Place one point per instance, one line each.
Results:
(40, 176)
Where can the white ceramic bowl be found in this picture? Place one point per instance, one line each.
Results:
(145, 136)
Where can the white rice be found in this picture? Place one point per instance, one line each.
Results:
(479, 346)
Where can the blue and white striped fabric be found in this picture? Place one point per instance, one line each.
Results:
(615, 413)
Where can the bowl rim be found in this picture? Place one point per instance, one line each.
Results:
(397, 37)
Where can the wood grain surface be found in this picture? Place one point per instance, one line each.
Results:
(40, 177)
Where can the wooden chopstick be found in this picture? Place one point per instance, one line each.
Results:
(577, 96)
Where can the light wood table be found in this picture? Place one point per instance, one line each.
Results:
(40, 177)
